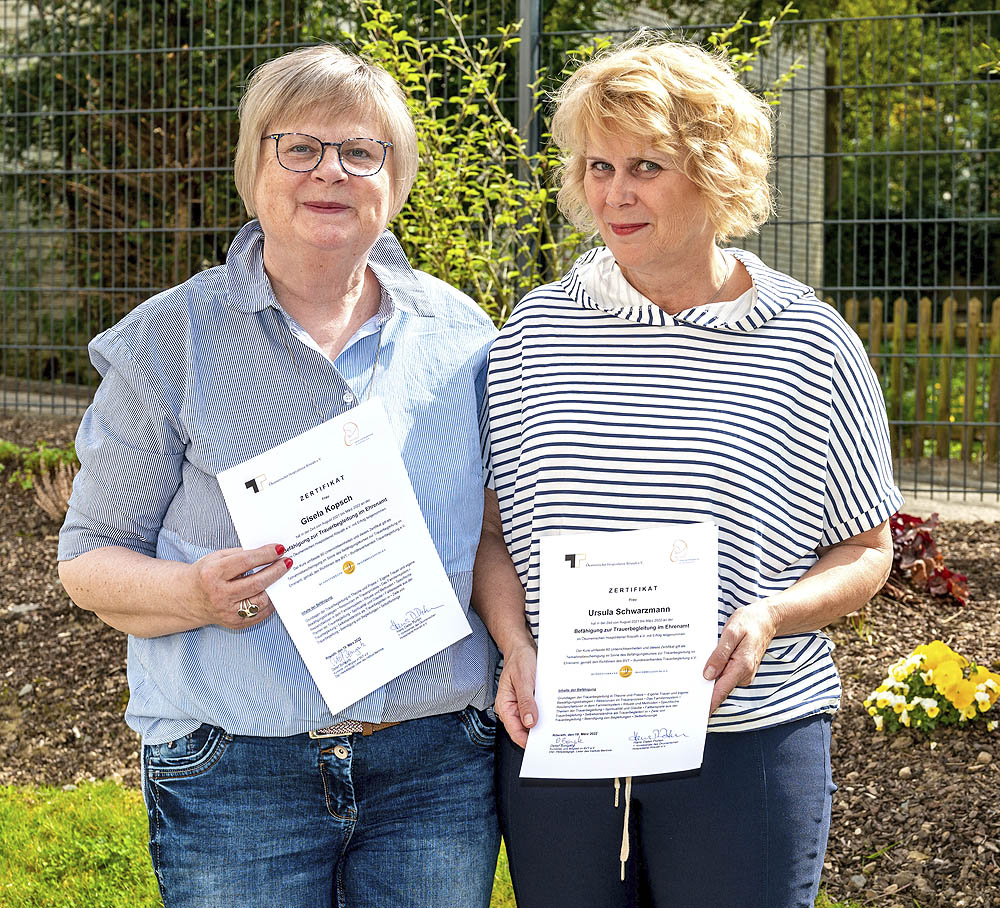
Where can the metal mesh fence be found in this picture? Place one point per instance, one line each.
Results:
(117, 158)
(119, 129)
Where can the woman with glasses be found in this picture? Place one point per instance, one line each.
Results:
(256, 793)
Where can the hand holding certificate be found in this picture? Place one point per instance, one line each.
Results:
(626, 623)
(367, 597)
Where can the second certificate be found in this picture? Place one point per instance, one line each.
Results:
(627, 621)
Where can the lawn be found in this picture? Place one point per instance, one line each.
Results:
(86, 848)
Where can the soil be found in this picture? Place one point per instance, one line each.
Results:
(916, 820)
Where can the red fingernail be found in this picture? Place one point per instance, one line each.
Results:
(279, 550)
(288, 562)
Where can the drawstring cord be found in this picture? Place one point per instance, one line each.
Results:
(623, 856)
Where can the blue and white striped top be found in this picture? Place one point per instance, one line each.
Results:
(603, 416)
(196, 380)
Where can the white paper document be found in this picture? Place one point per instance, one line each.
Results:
(627, 622)
(367, 596)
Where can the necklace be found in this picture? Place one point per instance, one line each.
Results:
(305, 384)
(729, 274)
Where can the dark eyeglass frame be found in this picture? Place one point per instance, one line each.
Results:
(277, 136)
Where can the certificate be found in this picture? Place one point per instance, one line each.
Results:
(367, 596)
(626, 624)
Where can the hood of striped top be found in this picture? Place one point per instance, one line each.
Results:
(773, 292)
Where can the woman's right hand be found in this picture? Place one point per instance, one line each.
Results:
(515, 704)
(221, 581)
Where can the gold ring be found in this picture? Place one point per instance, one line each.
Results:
(247, 609)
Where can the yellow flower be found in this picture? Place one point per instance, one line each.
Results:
(984, 701)
(899, 671)
(927, 677)
(872, 711)
(883, 700)
(963, 694)
(904, 718)
(930, 706)
(969, 712)
(990, 726)
(879, 720)
(898, 705)
(946, 676)
(936, 652)
(979, 674)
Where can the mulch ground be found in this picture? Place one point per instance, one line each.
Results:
(916, 821)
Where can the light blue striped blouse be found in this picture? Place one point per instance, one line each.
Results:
(197, 379)
(602, 416)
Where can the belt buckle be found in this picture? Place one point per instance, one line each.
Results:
(339, 730)
(349, 727)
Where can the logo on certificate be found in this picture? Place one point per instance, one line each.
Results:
(257, 483)
(578, 560)
(353, 436)
(349, 567)
(625, 671)
(677, 553)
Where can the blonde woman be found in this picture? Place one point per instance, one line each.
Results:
(666, 379)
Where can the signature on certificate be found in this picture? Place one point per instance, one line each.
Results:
(413, 619)
(567, 742)
(656, 737)
(347, 656)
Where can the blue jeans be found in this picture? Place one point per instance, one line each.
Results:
(747, 830)
(404, 818)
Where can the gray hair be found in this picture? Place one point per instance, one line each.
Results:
(324, 78)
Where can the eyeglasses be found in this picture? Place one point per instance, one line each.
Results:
(300, 153)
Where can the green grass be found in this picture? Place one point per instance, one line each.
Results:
(86, 848)
(74, 849)
(503, 894)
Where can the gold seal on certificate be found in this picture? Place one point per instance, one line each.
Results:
(367, 597)
(626, 624)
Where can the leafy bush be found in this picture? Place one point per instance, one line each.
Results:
(26, 463)
(480, 215)
(916, 559)
(933, 686)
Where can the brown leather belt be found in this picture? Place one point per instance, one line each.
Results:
(350, 727)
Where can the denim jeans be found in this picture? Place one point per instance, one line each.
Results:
(403, 818)
(747, 830)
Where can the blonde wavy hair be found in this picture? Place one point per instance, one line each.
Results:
(324, 78)
(684, 102)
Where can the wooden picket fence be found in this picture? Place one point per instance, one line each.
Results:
(945, 349)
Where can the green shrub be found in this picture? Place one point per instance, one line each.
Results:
(26, 463)
(480, 215)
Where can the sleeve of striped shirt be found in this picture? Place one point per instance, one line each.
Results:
(500, 423)
(482, 399)
(484, 436)
(131, 456)
(860, 492)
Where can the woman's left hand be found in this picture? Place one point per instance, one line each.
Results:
(742, 643)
